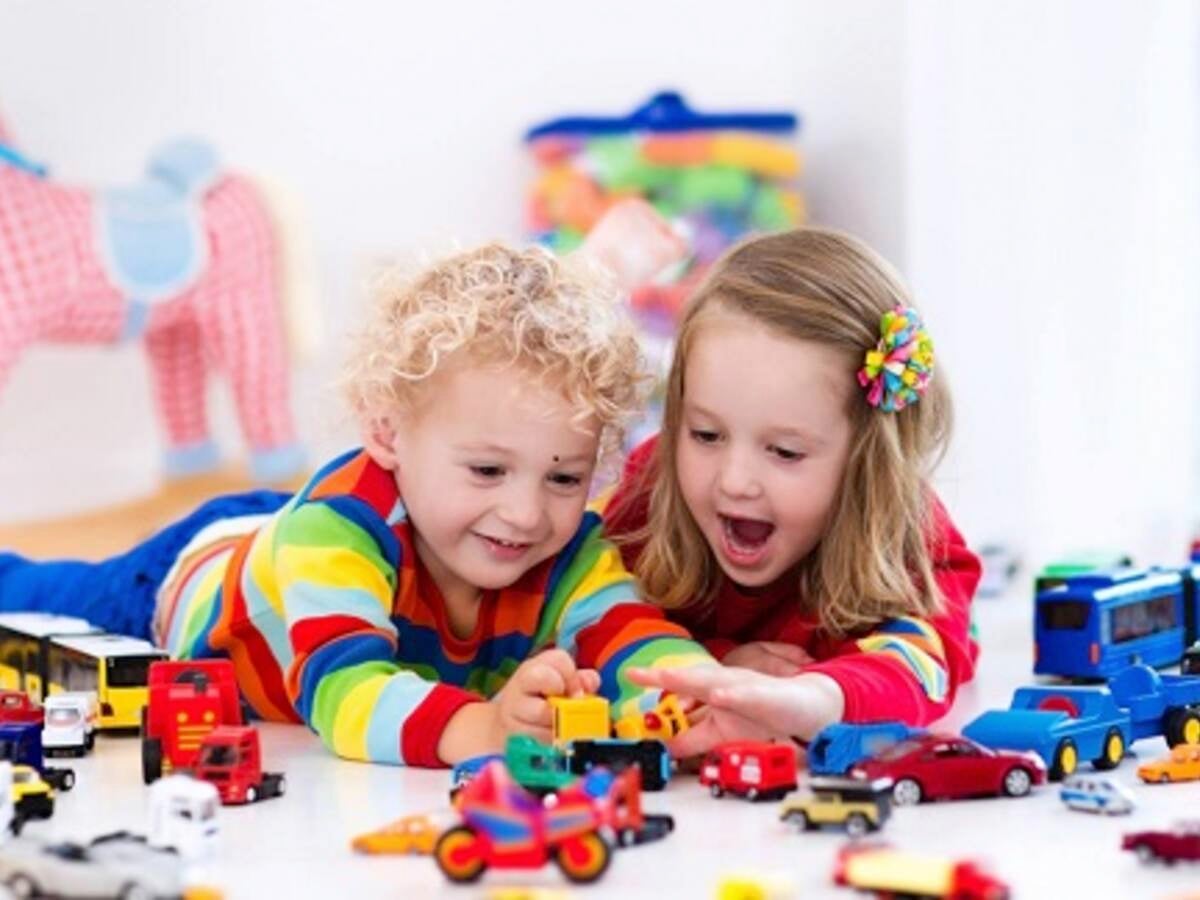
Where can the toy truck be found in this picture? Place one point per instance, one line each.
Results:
(22, 745)
(18, 708)
(891, 873)
(30, 796)
(70, 723)
(187, 700)
(582, 730)
(1066, 724)
(183, 816)
(836, 748)
(230, 759)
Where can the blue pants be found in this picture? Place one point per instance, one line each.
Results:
(118, 594)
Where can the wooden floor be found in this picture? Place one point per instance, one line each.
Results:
(99, 533)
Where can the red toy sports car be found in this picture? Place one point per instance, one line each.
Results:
(947, 767)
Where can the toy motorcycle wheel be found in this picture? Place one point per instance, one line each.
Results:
(585, 858)
(457, 855)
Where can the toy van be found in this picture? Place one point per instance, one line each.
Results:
(70, 722)
(756, 770)
(1089, 793)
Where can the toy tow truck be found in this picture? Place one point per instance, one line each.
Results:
(1066, 724)
(186, 701)
(231, 761)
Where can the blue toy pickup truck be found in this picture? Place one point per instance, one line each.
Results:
(1065, 724)
(836, 748)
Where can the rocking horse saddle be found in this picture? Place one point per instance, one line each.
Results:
(150, 236)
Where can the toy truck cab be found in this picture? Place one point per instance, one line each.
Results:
(230, 759)
(22, 745)
(756, 770)
(70, 722)
(186, 701)
(183, 816)
(17, 708)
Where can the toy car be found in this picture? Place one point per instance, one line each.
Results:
(183, 816)
(21, 744)
(892, 873)
(113, 865)
(855, 806)
(1181, 764)
(70, 723)
(1180, 843)
(1090, 793)
(946, 767)
(417, 833)
(756, 770)
(32, 798)
(755, 886)
(505, 826)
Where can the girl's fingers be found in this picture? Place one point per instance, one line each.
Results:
(532, 713)
(541, 680)
(693, 681)
(588, 681)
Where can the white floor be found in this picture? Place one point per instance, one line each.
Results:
(297, 846)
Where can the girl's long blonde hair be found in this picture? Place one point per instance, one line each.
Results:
(872, 563)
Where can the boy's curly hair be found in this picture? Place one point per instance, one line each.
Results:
(560, 320)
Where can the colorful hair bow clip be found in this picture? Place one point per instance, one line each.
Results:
(897, 371)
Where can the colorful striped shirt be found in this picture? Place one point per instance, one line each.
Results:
(330, 618)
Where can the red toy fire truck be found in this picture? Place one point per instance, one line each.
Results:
(187, 700)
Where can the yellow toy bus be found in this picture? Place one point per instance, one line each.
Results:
(46, 654)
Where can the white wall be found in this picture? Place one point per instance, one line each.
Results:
(1053, 232)
(400, 125)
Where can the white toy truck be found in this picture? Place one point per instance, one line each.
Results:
(70, 725)
(183, 816)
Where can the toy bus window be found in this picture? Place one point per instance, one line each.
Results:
(1136, 620)
(129, 671)
(75, 673)
(1064, 615)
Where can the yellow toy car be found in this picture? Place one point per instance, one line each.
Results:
(855, 806)
(1183, 764)
(411, 834)
(755, 886)
(32, 798)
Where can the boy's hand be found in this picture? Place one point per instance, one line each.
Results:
(633, 242)
(741, 704)
(521, 705)
(768, 657)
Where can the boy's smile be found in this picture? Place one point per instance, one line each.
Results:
(494, 469)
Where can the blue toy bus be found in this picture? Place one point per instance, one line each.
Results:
(1096, 624)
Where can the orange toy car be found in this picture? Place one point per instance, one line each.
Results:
(411, 834)
(1182, 764)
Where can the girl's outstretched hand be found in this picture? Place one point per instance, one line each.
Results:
(740, 704)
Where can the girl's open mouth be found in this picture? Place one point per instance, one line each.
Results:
(745, 540)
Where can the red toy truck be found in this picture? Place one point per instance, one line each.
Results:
(230, 760)
(187, 700)
(756, 770)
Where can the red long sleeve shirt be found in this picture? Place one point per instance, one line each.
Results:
(906, 668)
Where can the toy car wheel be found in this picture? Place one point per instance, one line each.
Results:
(1164, 778)
(752, 794)
(716, 790)
(1066, 760)
(857, 825)
(22, 886)
(907, 792)
(280, 786)
(89, 742)
(136, 892)
(584, 859)
(67, 781)
(1145, 853)
(457, 854)
(1114, 750)
(251, 794)
(1017, 782)
(800, 820)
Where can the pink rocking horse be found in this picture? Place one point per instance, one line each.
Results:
(189, 259)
